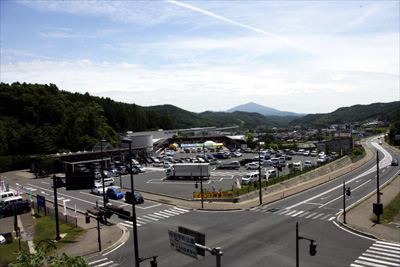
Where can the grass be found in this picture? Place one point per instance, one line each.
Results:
(390, 211)
(45, 229)
(7, 251)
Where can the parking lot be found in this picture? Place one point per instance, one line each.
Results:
(154, 179)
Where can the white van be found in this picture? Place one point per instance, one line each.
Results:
(9, 200)
(7, 194)
(250, 178)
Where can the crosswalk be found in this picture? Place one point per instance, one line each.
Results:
(296, 213)
(379, 254)
(155, 216)
(104, 262)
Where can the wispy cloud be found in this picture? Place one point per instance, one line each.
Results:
(280, 38)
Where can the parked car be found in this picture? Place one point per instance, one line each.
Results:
(167, 164)
(249, 178)
(307, 164)
(245, 161)
(10, 200)
(20, 207)
(137, 197)
(270, 173)
(107, 181)
(314, 153)
(7, 194)
(306, 153)
(140, 168)
(114, 193)
(251, 166)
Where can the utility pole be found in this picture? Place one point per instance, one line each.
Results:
(56, 208)
(135, 236)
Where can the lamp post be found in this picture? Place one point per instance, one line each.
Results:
(101, 171)
(135, 237)
(259, 170)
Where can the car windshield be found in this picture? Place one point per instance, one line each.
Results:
(246, 176)
(137, 194)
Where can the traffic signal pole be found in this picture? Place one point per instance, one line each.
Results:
(313, 247)
(344, 202)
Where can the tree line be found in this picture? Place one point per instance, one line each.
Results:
(42, 119)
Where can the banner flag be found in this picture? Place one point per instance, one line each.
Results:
(65, 208)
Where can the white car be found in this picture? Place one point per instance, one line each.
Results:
(158, 164)
(270, 173)
(251, 166)
(237, 154)
(321, 154)
(314, 153)
(98, 189)
(306, 153)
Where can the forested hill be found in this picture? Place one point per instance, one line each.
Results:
(357, 113)
(38, 118)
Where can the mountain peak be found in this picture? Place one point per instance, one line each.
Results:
(263, 110)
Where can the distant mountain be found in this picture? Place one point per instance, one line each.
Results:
(263, 110)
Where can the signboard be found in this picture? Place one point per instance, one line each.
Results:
(198, 237)
(79, 180)
(227, 194)
(182, 243)
(41, 201)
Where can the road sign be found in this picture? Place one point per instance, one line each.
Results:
(41, 201)
(199, 238)
(182, 243)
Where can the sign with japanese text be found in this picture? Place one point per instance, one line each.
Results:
(182, 243)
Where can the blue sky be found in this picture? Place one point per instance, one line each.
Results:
(304, 57)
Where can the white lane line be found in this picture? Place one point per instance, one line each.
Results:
(92, 203)
(351, 180)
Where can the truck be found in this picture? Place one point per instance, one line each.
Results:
(189, 171)
(234, 165)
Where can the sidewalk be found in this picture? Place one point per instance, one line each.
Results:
(357, 218)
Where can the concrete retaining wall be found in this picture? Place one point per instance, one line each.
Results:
(301, 179)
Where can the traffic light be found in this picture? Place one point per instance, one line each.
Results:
(87, 218)
(153, 262)
(348, 192)
(313, 248)
(196, 185)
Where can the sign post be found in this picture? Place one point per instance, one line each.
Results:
(182, 243)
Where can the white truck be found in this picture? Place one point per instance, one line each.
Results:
(189, 171)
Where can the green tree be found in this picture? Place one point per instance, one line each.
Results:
(47, 255)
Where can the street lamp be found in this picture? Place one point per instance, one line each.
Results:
(135, 237)
(259, 170)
